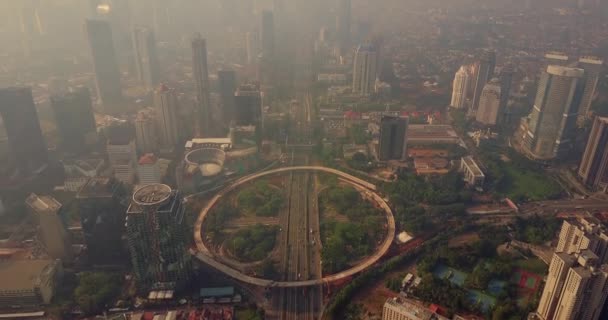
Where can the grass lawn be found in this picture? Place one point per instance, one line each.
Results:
(535, 186)
(533, 265)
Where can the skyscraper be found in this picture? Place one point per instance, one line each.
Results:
(27, 146)
(165, 101)
(485, 71)
(558, 270)
(107, 74)
(52, 231)
(201, 78)
(364, 70)
(393, 138)
(157, 238)
(75, 120)
(145, 132)
(343, 25)
(267, 34)
(248, 103)
(489, 103)
(593, 169)
(506, 79)
(146, 59)
(251, 44)
(584, 234)
(550, 126)
(460, 88)
(122, 153)
(593, 68)
(227, 86)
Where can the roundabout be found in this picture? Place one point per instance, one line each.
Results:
(204, 254)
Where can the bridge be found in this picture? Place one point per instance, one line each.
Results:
(207, 256)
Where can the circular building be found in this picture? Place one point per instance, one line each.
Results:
(201, 169)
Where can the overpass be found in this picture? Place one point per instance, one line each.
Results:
(207, 256)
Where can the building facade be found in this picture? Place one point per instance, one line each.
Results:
(551, 124)
(75, 121)
(593, 169)
(51, 229)
(473, 175)
(166, 105)
(105, 65)
(460, 86)
(157, 237)
(148, 169)
(146, 58)
(485, 71)
(28, 283)
(393, 138)
(248, 103)
(365, 70)
(593, 67)
(200, 73)
(489, 103)
(145, 131)
(227, 87)
(407, 309)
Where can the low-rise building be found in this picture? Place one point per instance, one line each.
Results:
(431, 134)
(472, 173)
(408, 309)
(28, 282)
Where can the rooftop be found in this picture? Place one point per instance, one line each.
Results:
(42, 204)
(22, 274)
(148, 158)
(97, 187)
(472, 165)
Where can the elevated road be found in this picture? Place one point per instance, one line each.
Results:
(207, 256)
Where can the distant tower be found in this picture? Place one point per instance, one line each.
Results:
(485, 71)
(460, 87)
(227, 87)
(52, 231)
(107, 74)
(251, 43)
(146, 59)
(145, 132)
(593, 169)
(267, 34)
(489, 103)
(551, 125)
(75, 120)
(200, 72)
(27, 145)
(393, 138)
(364, 70)
(343, 25)
(166, 105)
(157, 238)
(593, 68)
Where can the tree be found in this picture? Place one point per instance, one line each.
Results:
(95, 290)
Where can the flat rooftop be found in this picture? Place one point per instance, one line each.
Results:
(22, 274)
(428, 131)
(97, 187)
(42, 204)
(473, 166)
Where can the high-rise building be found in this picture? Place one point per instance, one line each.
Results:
(576, 288)
(555, 58)
(343, 25)
(552, 122)
(200, 72)
(393, 138)
(485, 71)
(166, 105)
(227, 86)
(267, 34)
(146, 58)
(584, 234)
(251, 45)
(103, 219)
(248, 103)
(364, 70)
(122, 153)
(489, 103)
(27, 146)
(107, 74)
(460, 88)
(506, 80)
(407, 309)
(593, 68)
(593, 169)
(75, 120)
(148, 169)
(145, 132)
(157, 237)
(51, 229)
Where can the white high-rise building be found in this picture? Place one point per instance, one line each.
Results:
(148, 169)
(123, 158)
(365, 70)
(584, 234)
(460, 88)
(166, 105)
